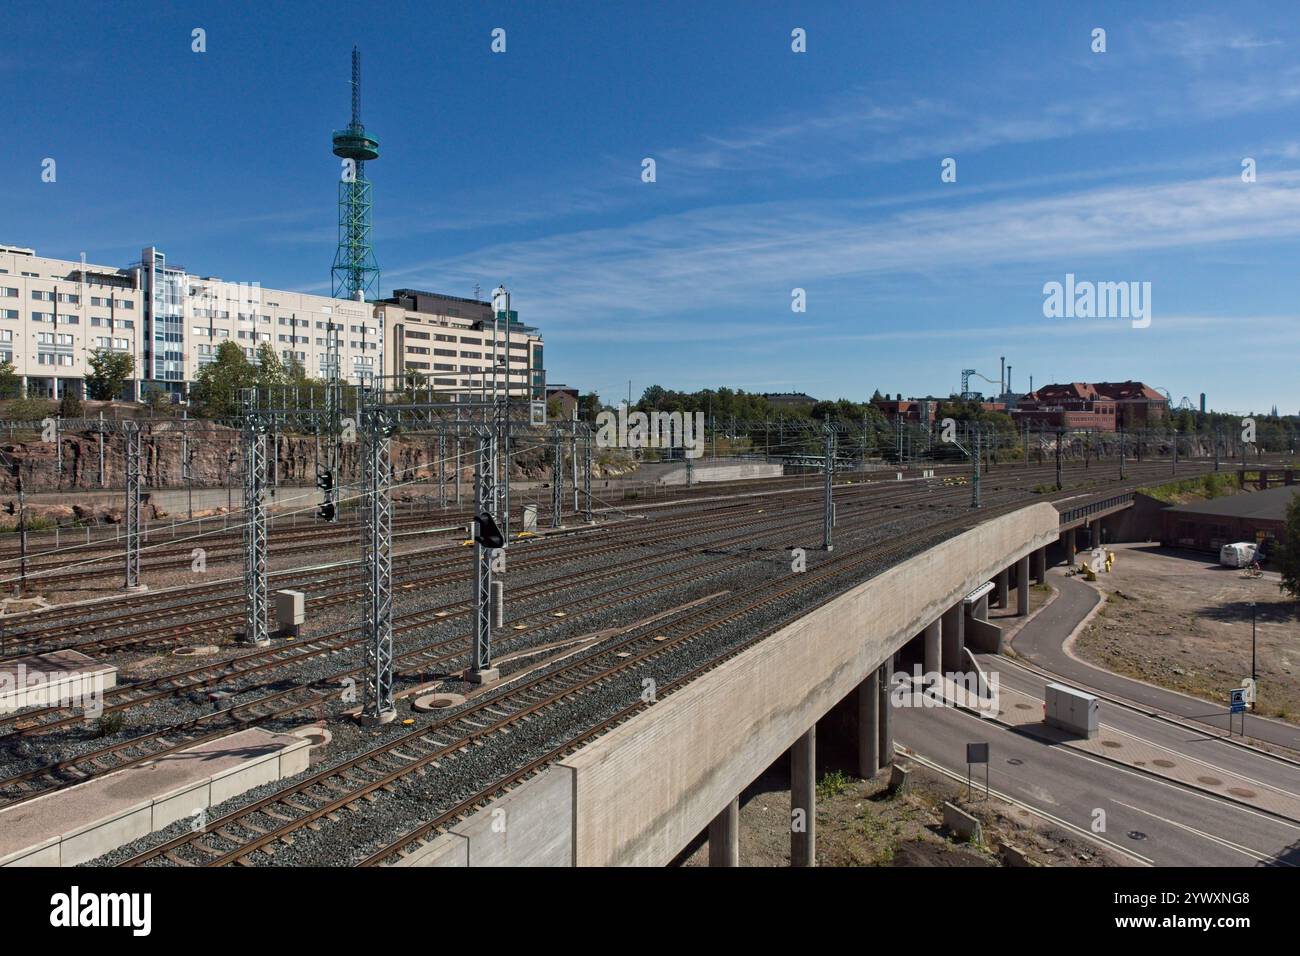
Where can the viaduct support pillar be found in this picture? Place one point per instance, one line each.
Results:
(1004, 588)
(803, 799)
(869, 725)
(1040, 566)
(886, 727)
(954, 638)
(724, 836)
(1094, 533)
(1022, 586)
(933, 644)
(1070, 547)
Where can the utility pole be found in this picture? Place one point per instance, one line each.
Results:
(186, 473)
(1059, 436)
(442, 470)
(481, 670)
(573, 459)
(1175, 458)
(500, 415)
(101, 451)
(255, 542)
(829, 468)
(377, 559)
(132, 436)
(22, 531)
(975, 478)
(586, 476)
(1122, 474)
(557, 477)
(1253, 682)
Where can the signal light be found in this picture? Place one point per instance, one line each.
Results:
(325, 480)
(487, 533)
(325, 512)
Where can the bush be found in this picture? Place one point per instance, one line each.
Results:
(70, 406)
(109, 724)
(30, 409)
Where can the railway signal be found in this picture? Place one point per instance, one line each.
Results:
(325, 482)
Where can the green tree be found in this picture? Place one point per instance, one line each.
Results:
(295, 373)
(157, 398)
(589, 407)
(70, 405)
(11, 384)
(1289, 558)
(109, 371)
(218, 385)
(270, 370)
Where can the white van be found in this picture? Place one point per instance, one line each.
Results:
(1238, 555)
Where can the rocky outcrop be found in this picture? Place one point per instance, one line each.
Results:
(215, 460)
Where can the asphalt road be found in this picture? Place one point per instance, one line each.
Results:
(1160, 821)
(1166, 824)
(1041, 640)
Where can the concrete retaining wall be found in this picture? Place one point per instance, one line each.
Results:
(639, 794)
(703, 472)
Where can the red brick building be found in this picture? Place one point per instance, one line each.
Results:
(1137, 405)
(1076, 405)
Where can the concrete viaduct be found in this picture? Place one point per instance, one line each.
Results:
(640, 794)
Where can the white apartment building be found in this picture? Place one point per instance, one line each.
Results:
(55, 312)
(446, 342)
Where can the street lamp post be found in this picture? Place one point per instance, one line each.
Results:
(1254, 683)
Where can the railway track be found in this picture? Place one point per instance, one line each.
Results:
(419, 660)
(259, 826)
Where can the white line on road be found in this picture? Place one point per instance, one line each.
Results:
(1257, 855)
(1064, 824)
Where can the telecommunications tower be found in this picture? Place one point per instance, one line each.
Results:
(355, 273)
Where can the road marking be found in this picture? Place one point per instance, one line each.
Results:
(1236, 774)
(1207, 731)
(1257, 855)
(1064, 824)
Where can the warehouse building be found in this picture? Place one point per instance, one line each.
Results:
(1208, 525)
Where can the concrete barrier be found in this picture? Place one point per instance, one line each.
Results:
(704, 471)
(962, 824)
(85, 821)
(529, 826)
(639, 794)
(644, 790)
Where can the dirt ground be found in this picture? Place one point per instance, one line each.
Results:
(859, 823)
(1179, 620)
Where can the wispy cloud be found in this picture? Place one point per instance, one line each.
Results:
(752, 255)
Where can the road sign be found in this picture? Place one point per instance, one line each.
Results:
(977, 753)
(1237, 700)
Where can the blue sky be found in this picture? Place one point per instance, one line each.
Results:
(775, 171)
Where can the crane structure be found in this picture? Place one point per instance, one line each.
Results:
(355, 273)
(966, 394)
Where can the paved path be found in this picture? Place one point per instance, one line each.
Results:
(1041, 642)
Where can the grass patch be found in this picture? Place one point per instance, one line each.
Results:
(1209, 486)
(109, 724)
(833, 784)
